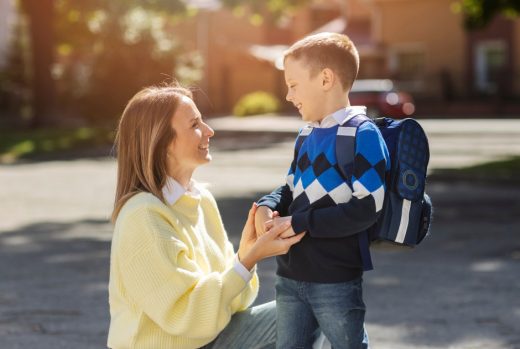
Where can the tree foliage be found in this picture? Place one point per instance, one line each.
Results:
(93, 54)
(108, 49)
(478, 13)
(97, 53)
(276, 9)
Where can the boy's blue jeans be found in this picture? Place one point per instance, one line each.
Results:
(303, 307)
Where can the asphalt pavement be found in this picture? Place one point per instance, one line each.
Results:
(459, 289)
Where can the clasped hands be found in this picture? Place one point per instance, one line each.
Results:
(266, 219)
(265, 234)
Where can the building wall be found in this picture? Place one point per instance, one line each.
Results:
(428, 27)
(450, 54)
(357, 9)
(222, 39)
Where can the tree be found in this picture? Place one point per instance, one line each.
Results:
(40, 13)
(478, 13)
(96, 53)
(43, 18)
(107, 50)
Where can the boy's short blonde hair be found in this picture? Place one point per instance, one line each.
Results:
(328, 50)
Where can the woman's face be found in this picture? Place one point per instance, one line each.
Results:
(190, 147)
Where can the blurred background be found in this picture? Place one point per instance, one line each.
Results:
(68, 67)
(76, 63)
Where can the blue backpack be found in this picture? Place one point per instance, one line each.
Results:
(407, 210)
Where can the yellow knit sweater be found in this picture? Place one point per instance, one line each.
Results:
(172, 281)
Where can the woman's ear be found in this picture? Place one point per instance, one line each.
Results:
(327, 79)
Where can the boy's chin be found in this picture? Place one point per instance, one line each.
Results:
(305, 117)
(308, 118)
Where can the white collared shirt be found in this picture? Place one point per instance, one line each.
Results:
(339, 117)
(172, 192)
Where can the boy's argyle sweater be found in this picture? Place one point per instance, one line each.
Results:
(329, 208)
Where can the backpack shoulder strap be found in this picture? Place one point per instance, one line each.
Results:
(346, 139)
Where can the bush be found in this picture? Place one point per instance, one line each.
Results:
(256, 103)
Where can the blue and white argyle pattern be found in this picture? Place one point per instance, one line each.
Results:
(315, 178)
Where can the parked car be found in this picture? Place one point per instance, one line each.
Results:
(381, 98)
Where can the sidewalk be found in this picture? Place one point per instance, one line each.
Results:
(454, 143)
(458, 290)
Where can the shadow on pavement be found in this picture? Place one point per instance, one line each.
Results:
(53, 292)
(458, 289)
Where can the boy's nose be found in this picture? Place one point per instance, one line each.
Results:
(209, 131)
(288, 97)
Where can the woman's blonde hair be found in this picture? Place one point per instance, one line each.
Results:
(143, 136)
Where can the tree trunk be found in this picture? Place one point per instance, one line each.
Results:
(41, 15)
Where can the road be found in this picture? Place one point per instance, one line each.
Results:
(457, 290)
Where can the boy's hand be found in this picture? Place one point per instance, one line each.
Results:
(263, 215)
(277, 221)
(253, 249)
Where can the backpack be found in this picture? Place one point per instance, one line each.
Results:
(407, 210)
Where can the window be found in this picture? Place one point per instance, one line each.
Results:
(490, 62)
(407, 62)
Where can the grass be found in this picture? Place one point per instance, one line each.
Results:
(31, 144)
(506, 170)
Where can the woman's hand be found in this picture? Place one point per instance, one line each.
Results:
(253, 249)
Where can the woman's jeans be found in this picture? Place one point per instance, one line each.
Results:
(254, 328)
(337, 309)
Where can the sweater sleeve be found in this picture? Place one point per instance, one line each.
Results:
(250, 292)
(281, 198)
(161, 277)
(278, 200)
(371, 161)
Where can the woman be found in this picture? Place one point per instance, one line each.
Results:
(175, 281)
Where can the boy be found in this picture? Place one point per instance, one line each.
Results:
(319, 281)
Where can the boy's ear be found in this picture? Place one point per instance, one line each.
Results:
(327, 79)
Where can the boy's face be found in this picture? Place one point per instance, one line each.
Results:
(304, 91)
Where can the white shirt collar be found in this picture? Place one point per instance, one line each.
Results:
(173, 190)
(340, 116)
